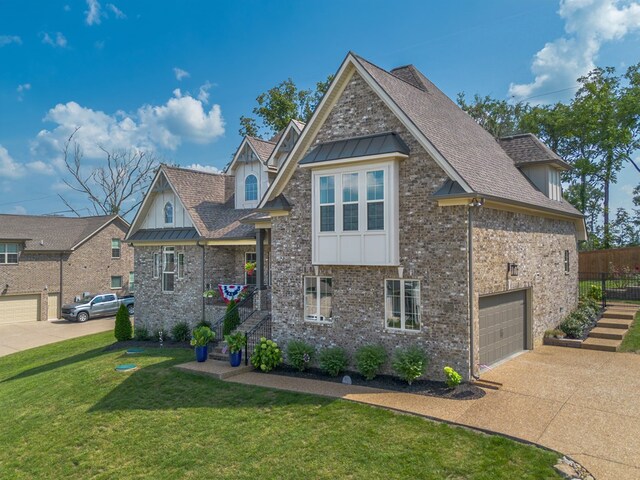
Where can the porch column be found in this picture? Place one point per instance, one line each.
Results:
(260, 259)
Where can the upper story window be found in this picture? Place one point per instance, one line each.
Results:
(8, 253)
(168, 213)
(115, 248)
(355, 210)
(250, 188)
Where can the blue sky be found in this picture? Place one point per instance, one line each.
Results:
(176, 76)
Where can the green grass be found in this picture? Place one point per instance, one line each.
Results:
(631, 341)
(66, 414)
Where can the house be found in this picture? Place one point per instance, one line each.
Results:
(391, 217)
(46, 261)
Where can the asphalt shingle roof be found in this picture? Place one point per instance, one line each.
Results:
(472, 152)
(262, 147)
(49, 233)
(526, 149)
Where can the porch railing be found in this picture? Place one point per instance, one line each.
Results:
(613, 286)
(253, 336)
(245, 308)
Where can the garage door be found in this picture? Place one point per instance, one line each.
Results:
(19, 308)
(502, 326)
(53, 306)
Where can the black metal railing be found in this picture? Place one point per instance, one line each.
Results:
(612, 286)
(253, 336)
(245, 308)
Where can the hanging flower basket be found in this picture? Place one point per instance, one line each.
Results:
(250, 267)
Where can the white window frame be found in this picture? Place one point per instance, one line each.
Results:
(257, 189)
(180, 265)
(318, 299)
(119, 248)
(327, 204)
(164, 213)
(402, 305)
(157, 265)
(116, 276)
(567, 265)
(350, 202)
(166, 251)
(4, 253)
(132, 281)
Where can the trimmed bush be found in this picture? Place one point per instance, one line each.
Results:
(123, 330)
(370, 359)
(266, 355)
(333, 360)
(409, 363)
(453, 378)
(181, 332)
(141, 333)
(300, 354)
(231, 319)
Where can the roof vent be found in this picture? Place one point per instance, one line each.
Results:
(41, 242)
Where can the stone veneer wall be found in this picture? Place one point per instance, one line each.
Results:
(537, 245)
(433, 249)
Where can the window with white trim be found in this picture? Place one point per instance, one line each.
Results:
(402, 304)
(156, 265)
(327, 204)
(250, 188)
(116, 282)
(350, 204)
(115, 248)
(318, 292)
(566, 261)
(132, 282)
(181, 265)
(8, 253)
(168, 269)
(168, 213)
(375, 200)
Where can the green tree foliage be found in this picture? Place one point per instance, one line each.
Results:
(231, 318)
(280, 104)
(499, 117)
(123, 330)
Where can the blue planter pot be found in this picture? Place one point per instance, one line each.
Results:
(235, 358)
(201, 353)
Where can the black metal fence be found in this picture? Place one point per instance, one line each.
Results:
(245, 308)
(611, 286)
(261, 329)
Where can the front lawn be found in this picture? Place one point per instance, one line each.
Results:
(631, 341)
(66, 414)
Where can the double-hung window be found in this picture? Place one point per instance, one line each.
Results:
(566, 261)
(317, 299)
(132, 282)
(181, 265)
(8, 253)
(115, 248)
(402, 304)
(116, 282)
(168, 269)
(327, 204)
(375, 200)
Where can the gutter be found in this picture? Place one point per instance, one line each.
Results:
(61, 301)
(203, 278)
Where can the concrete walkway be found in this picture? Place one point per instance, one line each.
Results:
(583, 403)
(15, 337)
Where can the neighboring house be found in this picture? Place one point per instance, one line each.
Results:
(46, 261)
(391, 217)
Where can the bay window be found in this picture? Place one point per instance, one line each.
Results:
(402, 304)
(327, 204)
(318, 292)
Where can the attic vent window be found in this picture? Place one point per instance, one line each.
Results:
(168, 213)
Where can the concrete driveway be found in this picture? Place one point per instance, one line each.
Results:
(15, 337)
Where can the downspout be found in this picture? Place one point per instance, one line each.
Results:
(203, 280)
(61, 301)
(475, 203)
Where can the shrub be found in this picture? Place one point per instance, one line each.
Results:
(370, 359)
(300, 354)
(203, 323)
(266, 355)
(231, 318)
(572, 327)
(181, 332)
(554, 333)
(453, 378)
(141, 333)
(333, 360)
(123, 330)
(202, 336)
(595, 293)
(409, 363)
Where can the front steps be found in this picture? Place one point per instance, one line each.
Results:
(611, 328)
(217, 352)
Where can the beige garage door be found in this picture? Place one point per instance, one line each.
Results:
(19, 308)
(53, 306)
(502, 326)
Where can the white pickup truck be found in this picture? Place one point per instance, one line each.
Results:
(101, 305)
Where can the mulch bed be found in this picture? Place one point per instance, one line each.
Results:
(429, 388)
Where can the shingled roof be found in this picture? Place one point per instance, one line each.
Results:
(527, 149)
(262, 147)
(208, 199)
(52, 234)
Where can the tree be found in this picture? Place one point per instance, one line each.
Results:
(282, 103)
(123, 330)
(499, 117)
(125, 175)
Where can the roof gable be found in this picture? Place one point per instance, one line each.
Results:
(293, 126)
(527, 149)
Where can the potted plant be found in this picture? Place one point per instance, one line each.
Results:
(250, 267)
(235, 343)
(200, 339)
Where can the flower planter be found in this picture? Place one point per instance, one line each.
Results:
(201, 353)
(235, 358)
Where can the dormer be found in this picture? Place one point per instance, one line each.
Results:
(249, 166)
(541, 165)
(284, 144)
(163, 208)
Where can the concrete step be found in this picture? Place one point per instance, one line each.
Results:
(214, 368)
(603, 344)
(610, 333)
(614, 323)
(624, 306)
(618, 313)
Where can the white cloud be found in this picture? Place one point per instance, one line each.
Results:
(180, 73)
(588, 25)
(9, 39)
(9, 168)
(116, 11)
(41, 167)
(21, 89)
(19, 210)
(59, 41)
(93, 13)
(180, 119)
(60, 187)
(203, 168)
(203, 93)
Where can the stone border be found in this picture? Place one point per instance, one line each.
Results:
(563, 342)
